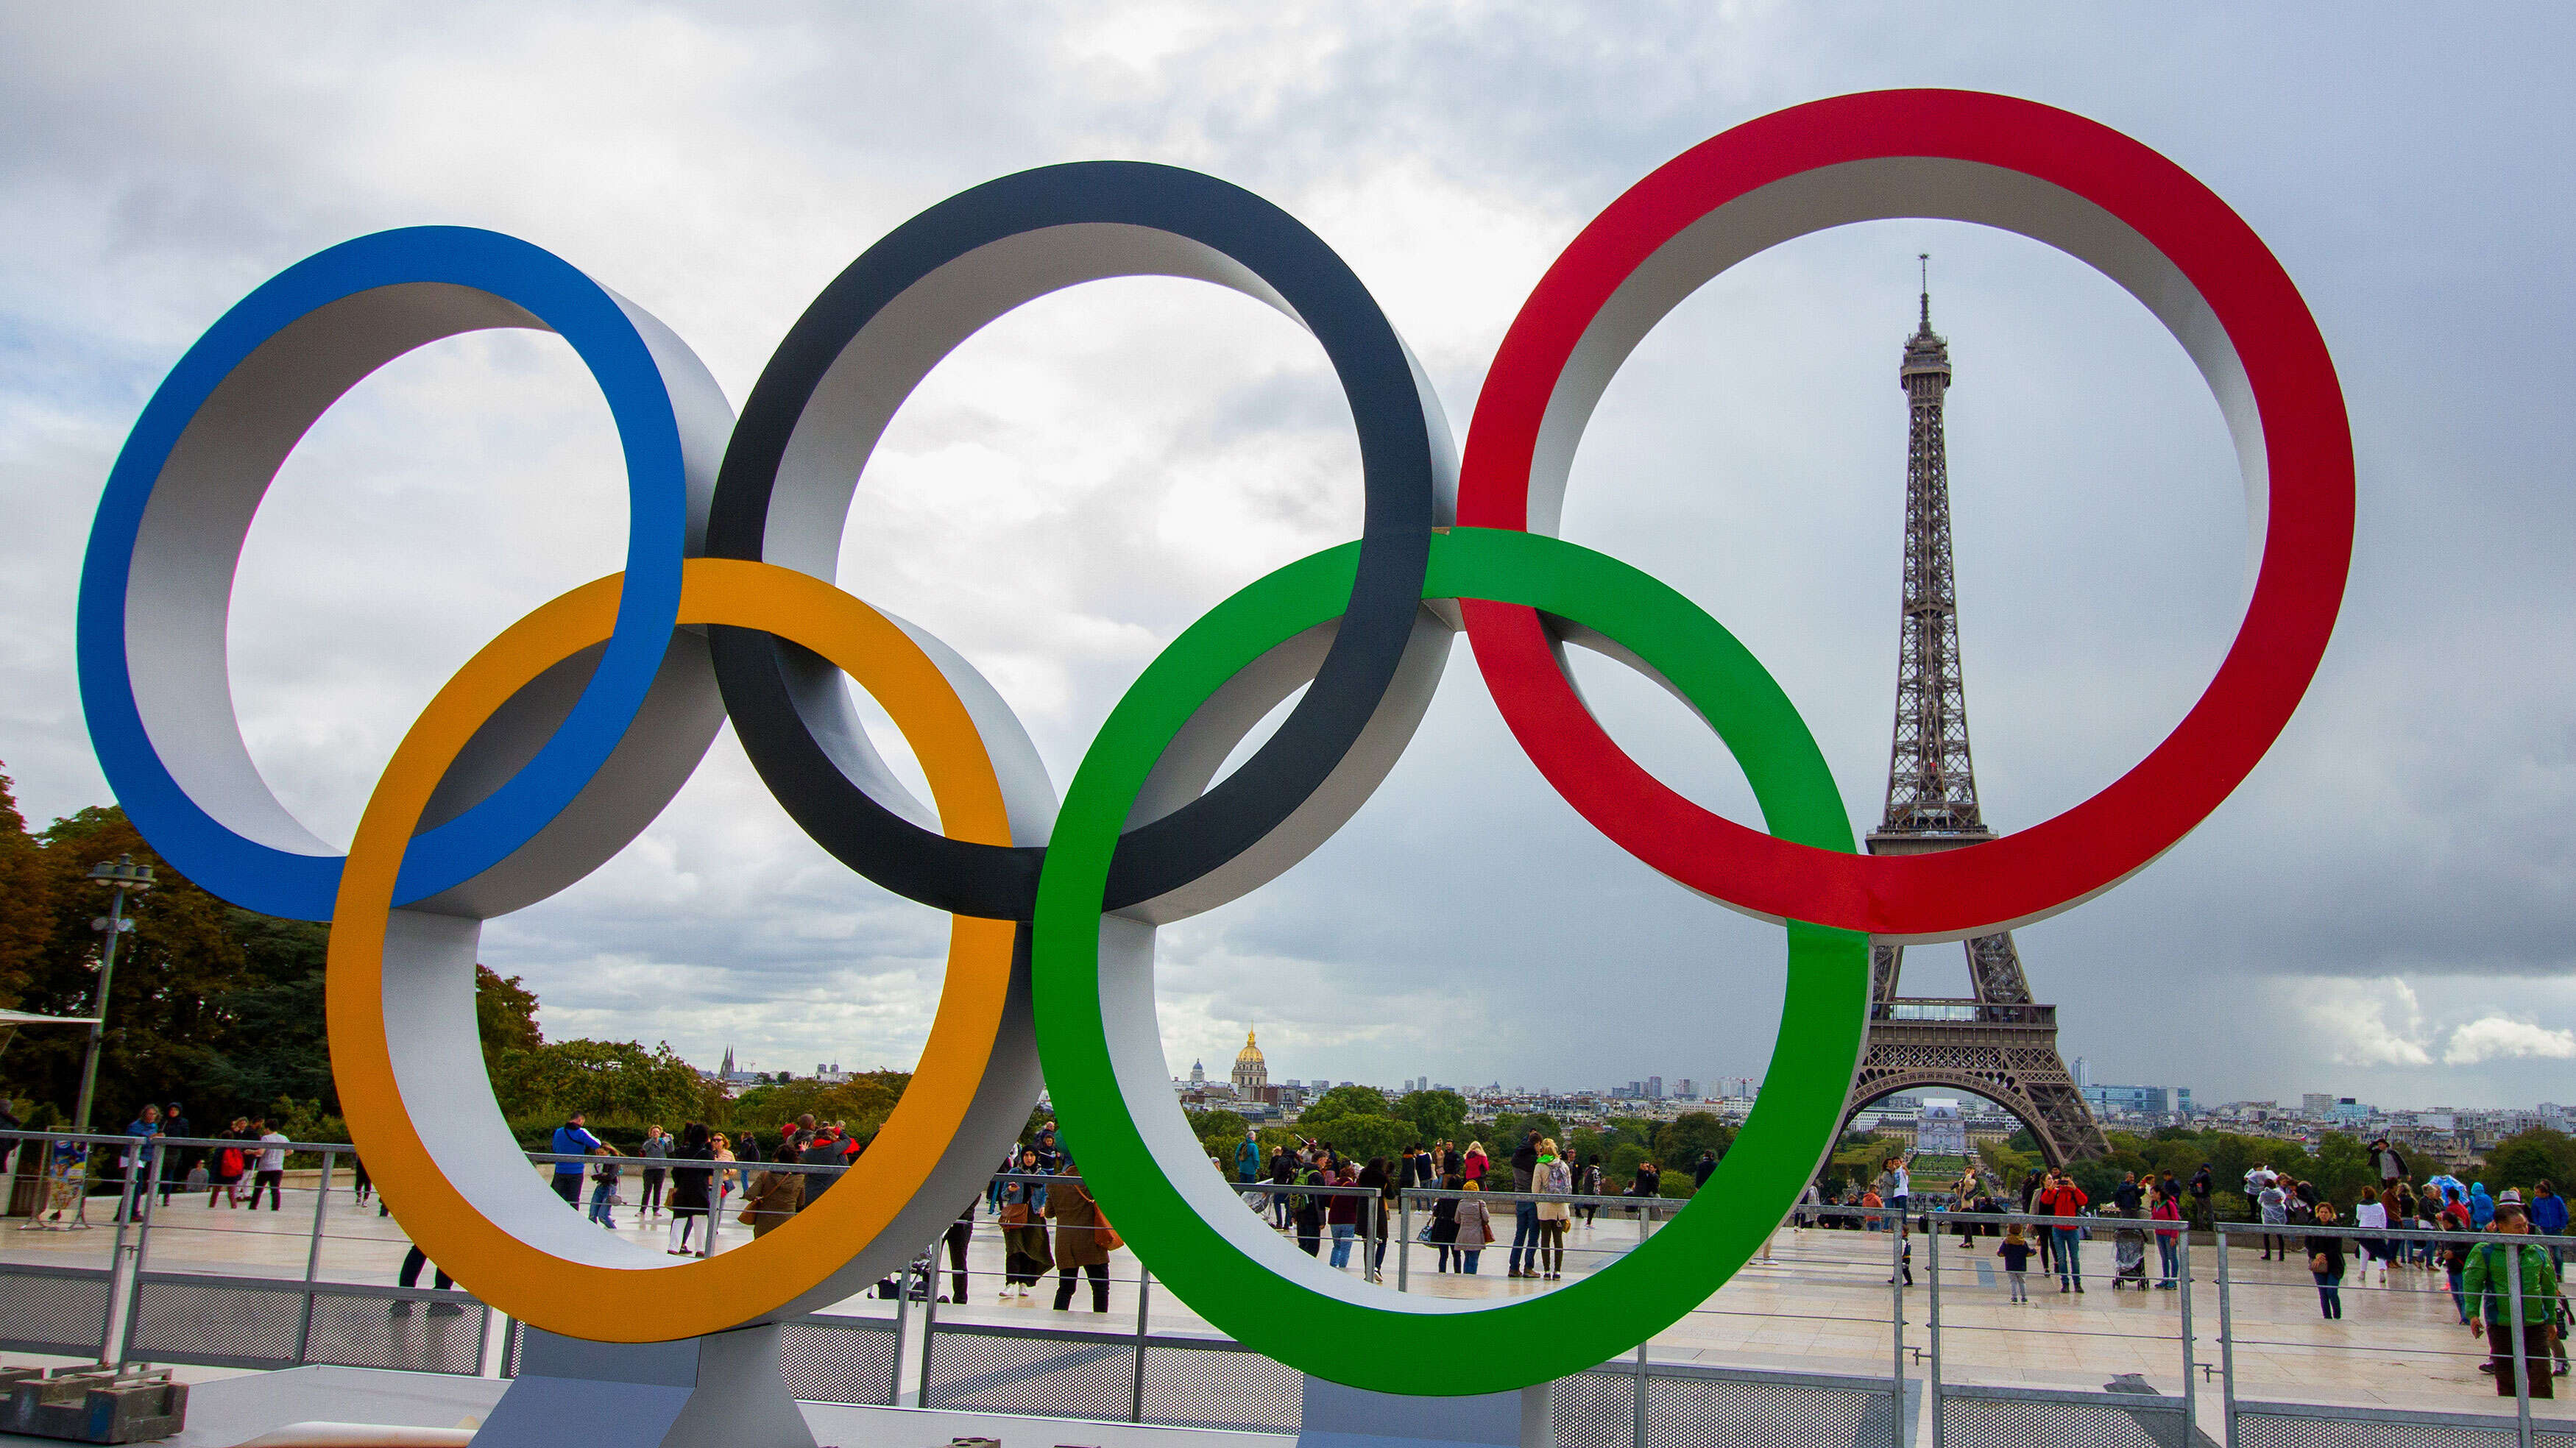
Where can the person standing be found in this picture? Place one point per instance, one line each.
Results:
(2326, 1264)
(2275, 1205)
(272, 1166)
(1702, 1170)
(2016, 1255)
(1309, 1211)
(1247, 1159)
(1283, 1172)
(1555, 1178)
(728, 1178)
(175, 1160)
(2203, 1186)
(2387, 1164)
(1524, 1211)
(572, 1139)
(2490, 1279)
(655, 1150)
(1443, 1233)
(2033, 1183)
(230, 1164)
(822, 1149)
(689, 1185)
(1474, 1164)
(1587, 1182)
(139, 1169)
(2370, 1214)
(2168, 1242)
(603, 1188)
(2548, 1214)
(1082, 1241)
(1022, 1213)
(1342, 1214)
(775, 1195)
(2063, 1200)
(1475, 1226)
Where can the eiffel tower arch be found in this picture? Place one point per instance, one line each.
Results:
(1997, 1043)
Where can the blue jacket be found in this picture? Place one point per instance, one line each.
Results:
(2549, 1215)
(2481, 1206)
(571, 1140)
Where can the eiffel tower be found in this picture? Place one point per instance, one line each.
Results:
(1999, 1044)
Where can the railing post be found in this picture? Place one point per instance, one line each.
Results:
(2190, 1400)
(1896, 1295)
(1404, 1237)
(123, 1282)
(1639, 1402)
(1136, 1388)
(1932, 1386)
(929, 1321)
(313, 1257)
(2521, 1367)
(902, 1321)
(2226, 1342)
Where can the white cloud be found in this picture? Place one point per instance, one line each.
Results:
(2497, 1038)
(2352, 1020)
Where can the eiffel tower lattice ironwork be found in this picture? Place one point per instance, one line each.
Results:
(1998, 1044)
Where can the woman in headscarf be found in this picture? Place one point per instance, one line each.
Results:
(1022, 1212)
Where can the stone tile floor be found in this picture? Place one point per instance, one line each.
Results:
(1822, 1304)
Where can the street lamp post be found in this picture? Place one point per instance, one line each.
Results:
(124, 875)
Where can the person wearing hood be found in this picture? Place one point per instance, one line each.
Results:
(2481, 1206)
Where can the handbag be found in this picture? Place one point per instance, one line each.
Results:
(2317, 1263)
(748, 1216)
(1015, 1214)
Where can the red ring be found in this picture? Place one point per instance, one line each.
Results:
(2024, 876)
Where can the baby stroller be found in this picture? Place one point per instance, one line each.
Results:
(2129, 1247)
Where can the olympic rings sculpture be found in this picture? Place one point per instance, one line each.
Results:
(563, 738)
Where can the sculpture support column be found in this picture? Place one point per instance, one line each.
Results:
(721, 1388)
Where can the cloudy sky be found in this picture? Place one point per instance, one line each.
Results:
(2386, 909)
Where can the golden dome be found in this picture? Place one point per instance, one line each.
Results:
(1250, 1052)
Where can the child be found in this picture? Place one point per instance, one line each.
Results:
(603, 1191)
(2016, 1254)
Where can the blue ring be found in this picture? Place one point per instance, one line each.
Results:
(261, 877)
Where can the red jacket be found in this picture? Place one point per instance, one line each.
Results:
(2066, 1201)
(2166, 1211)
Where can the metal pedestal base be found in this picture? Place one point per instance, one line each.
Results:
(723, 1388)
(1334, 1416)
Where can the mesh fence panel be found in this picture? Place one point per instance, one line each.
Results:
(2049, 1423)
(1196, 1387)
(1049, 1376)
(220, 1324)
(1697, 1412)
(61, 1311)
(2263, 1430)
(838, 1362)
(399, 1333)
(1594, 1410)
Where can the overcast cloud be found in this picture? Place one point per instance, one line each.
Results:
(2383, 910)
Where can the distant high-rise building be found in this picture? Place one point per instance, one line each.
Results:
(1654, 1088)
(2317, 1103)
(1685, 1090)
(2083, 1073)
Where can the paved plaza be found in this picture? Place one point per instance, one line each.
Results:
(1822, 1304)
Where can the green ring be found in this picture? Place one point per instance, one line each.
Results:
(1368, 1337)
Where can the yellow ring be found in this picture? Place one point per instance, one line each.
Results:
(653, 1302)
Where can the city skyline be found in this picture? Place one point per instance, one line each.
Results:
(2386, 907)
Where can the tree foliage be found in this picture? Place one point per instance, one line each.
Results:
(1345, 1101)
(2528, 1158)
(26, 899)
(1360, 1135)
(1438, 1115)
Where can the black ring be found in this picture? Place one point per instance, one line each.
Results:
(1391, 406)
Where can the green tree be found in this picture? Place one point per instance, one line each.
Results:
(1438, 1115)
(1683, 1138)
(169, 1014)
(2530, 1157)
(278, 1045)
(614, 1082)
(26, 899)
(1345, 1101)
(862, 1103)
(505, 1016)
(1361, 1135)
(1219, 1132)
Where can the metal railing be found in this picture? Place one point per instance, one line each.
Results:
(915, 1349)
